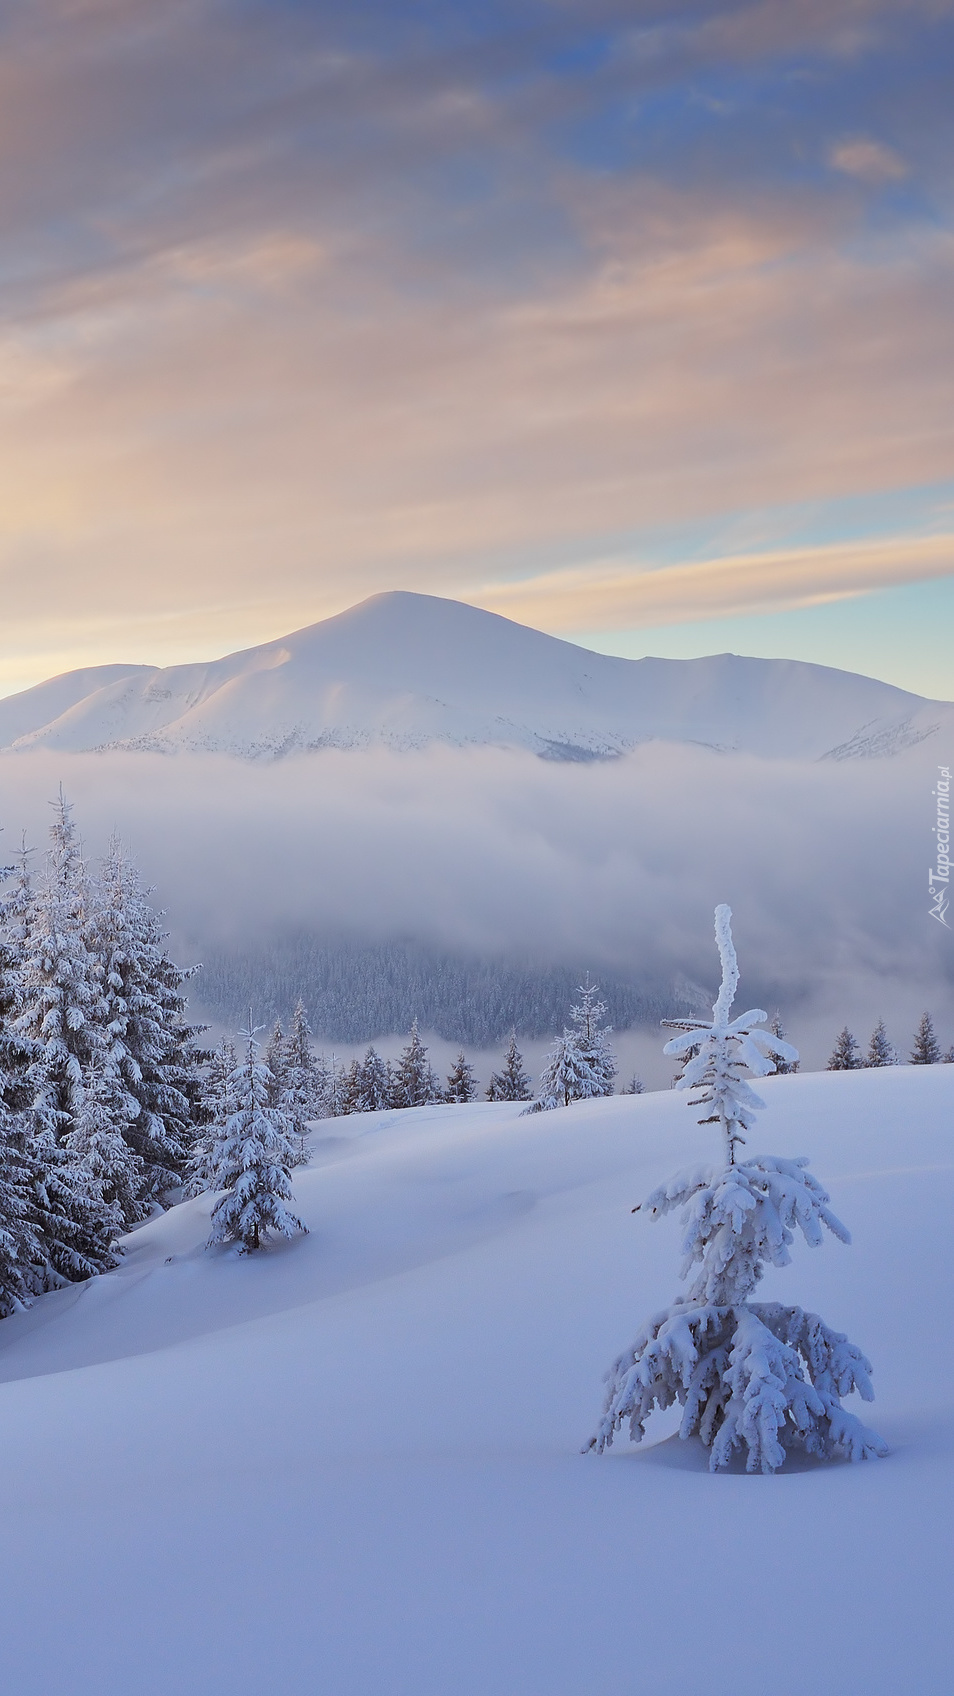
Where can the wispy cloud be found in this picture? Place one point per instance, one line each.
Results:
(872, 161)
(608, 597)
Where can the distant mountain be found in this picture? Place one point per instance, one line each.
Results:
(403, 671)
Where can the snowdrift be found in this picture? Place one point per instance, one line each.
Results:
(351, 1464)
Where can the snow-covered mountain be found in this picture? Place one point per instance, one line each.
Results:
(351, 1464)
(404, 670)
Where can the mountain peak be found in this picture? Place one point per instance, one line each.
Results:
(405, 670)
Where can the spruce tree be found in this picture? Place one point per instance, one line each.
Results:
(511, 1083)
(17, 917)
(97, 1143)
(76, 1227)
(415, 1083)
(749, 1375)
(334, 1092)
(845, 1056)
(926, 1050)
(592, 1040)
(303, 1094)
(565, 1076)
(781, 1066)
(20, 1249)
(304, 1075)
(55, 1224)
(21, 1253)
(634, 1087)
(880, 1051)
(151, 1050)
(376, 1087)
(350, 1095)
(217, 1096)
(60, 1025)
(253, 1159)
(276, 1061)
(580, 1064)
(217, 1106)
(461, 1083)
(60, 984)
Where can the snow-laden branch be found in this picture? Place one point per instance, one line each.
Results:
(718, 1053)
(749, 1375)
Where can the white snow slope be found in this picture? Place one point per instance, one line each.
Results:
(351, 1464)
(405, 670)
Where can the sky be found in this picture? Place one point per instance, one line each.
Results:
(632, 320)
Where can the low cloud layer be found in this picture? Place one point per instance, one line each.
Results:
(614, 865)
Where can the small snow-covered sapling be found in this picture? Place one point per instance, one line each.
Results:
(752, 1375)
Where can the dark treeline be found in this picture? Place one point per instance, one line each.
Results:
(355, 992)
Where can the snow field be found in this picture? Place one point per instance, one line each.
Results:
(350, 1464)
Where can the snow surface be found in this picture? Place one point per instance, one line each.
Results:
(350, 1464)
(404, 670)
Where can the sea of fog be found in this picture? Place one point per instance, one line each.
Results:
(614, 867)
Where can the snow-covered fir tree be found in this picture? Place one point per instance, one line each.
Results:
(415, 1082)
(749, 1375)
(511, 1083)
(926, 1050)
(564, 1076)
(99, 1073)
(17, 917)
(218, 1088)
(20, 1250)
(776, 1029)
(880, 1051)
(76, 1226)
(634, 1087)
(592, 1039)
(59, 1023)
(55, 1224)
(304, 1072)
(276, 1061)
(217, 1107)
(151, 1051)
(846, 1055)
(351, 1087)
(580, 1064)
(376, 1086)
(98, 1144)
(60, 983)
(303, 1094)
(461, 1082)
(253, 1160)
(334, 1095)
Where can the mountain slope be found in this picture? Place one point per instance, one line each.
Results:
(405, 670)
(351, 1464)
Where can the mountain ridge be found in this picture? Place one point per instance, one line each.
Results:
(404, 671)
